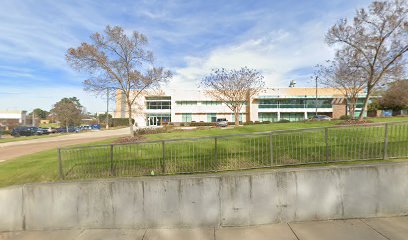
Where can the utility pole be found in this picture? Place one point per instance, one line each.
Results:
(33, 123)
(107, 108)
(316, 96)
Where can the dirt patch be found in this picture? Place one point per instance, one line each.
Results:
(354, 122)
(135, 139)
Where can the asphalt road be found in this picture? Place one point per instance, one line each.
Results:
(11, 150)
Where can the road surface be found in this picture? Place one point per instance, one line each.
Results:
(11, 150)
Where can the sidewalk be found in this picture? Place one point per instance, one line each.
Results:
(395, 228)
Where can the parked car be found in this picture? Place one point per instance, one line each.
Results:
(70, 129)
(51, 130)
(23, 131)
(222, 122)
(321, 118)
(95, 127)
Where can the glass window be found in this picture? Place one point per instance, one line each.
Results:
(268, 103)
(186, 117)
(240, 117)
(186, 103)
(211, 117)
(211, 103)
(158, 105)
(321, 103)
(293, 117)
(271, 117)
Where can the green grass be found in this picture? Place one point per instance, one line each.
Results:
(37, 167)
(305, 146)
(300, 147)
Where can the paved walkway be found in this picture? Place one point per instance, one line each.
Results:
(11, 150)
(395, 228)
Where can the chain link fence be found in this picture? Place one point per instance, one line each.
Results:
(236, 152)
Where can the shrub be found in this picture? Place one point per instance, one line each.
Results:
(144, 131)
(345, 117)
(283, 121)
(4, 132)
(202, 124)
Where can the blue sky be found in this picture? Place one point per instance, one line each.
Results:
(283, 39)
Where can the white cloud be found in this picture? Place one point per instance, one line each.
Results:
(276, 54)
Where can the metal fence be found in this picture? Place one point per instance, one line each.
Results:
(235, 152)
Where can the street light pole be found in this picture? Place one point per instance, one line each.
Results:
(316, 97)
(107, 108)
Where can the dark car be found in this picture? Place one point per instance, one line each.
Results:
(23, 131)
(70, 129)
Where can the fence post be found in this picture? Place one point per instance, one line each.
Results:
(326, 136)
(215, 150)
(60, 171)
(271, 147)
(163, 164)
(385, 156)
(111, 161)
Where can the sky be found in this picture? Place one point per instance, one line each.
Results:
(282, 39)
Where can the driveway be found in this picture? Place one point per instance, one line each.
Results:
(11, 150)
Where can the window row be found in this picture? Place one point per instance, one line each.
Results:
(158, 105)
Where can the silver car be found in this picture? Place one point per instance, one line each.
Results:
(222, 122)
(321, 118)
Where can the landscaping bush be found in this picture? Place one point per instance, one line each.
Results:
(283, 121)
(202, 124)
(4, 132)
(143, 131)
(345, 117)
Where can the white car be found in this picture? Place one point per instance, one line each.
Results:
(222, 122)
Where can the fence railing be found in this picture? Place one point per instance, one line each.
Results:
(235, 152)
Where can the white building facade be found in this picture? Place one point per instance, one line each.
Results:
(269, 105)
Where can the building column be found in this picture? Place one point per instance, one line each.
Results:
(278, 116)
(305, 115)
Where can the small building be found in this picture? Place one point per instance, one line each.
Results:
(11, 118)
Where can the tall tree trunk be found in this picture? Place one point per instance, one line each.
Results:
(352, 107)
(360, 117)
(236, 113)
(130, 119)
(66, 125)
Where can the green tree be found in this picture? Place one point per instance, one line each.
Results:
(396, 96)
(68, 111)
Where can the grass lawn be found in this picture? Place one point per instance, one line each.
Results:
(304, 147)
(37, 167)
(259, 128)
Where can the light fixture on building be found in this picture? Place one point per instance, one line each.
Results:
(292, 83)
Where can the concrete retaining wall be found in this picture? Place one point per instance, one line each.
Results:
(229, 199)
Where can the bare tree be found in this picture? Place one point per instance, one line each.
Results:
(68, 111)
(115, 60)
(344, 74)
(380, 35)
(233, 87)
(396, 96)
